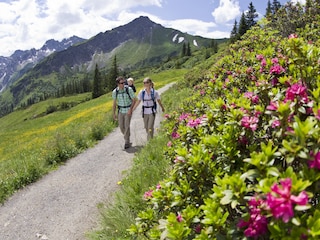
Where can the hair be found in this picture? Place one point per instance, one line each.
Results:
(130, 80)
(118, 79)
(147, 79)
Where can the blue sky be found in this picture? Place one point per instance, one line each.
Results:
(26, 24)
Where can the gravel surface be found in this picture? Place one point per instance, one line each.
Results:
(63, 204)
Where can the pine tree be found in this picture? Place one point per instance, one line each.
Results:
(276, 5)
(268, 10)
(112, 75)
(188, 53)
(243, 27)
(97, 83)
(251, 15)
(234, 32)
(183, 51)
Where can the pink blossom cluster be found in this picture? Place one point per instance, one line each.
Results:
(276, 69)
(297, 91)
(175, 135)
(257, 224)
(194, 122)
(250, 122)
(184, 116)
(279, 202)
(315, 162)
(148, 194)
(179, 217)
(250, 95)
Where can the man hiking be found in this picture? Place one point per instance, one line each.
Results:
(123, 102)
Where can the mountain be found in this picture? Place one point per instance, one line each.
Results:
(140, 43)
(13, 67)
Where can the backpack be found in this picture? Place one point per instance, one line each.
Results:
(154, 107)
(127, 91)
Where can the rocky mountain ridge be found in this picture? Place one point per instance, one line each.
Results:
(20, 61)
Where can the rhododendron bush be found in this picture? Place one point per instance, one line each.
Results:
(245, 148)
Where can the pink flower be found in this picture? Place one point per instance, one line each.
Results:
(148, 194)
(273, 106)
(250, 122)
(179, 218)
(280, 200)
(175, 135)
(293, 35)
(158, 186)
(315, 163)
(275, 123)
(202, 92)
(275, 60)
(250, 95)
(169, 144)
(257, 223)
(276, 69)
(198, 228)
(194, 123)
(259, 57)
(183, 116)
(297, 90)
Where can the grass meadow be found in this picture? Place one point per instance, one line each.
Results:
(33, 143)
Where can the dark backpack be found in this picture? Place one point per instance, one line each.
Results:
(154, 107)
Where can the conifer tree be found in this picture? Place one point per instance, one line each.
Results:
(188, 53)
(97, 83)
(112, 75)
(184, 50)
(276, 5)
(234, 32)
(243, 27)
(268, 10)
(250, 16)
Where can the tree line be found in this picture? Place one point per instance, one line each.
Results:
(248, 19)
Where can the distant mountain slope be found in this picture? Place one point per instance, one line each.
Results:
(13, 67)
(137, 44)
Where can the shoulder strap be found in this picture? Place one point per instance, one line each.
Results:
(143, 92)
(127, 91)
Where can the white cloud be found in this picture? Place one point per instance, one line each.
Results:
(227, 11)
(300, 1)
(25, 24)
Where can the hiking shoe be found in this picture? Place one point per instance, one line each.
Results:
(127, 145)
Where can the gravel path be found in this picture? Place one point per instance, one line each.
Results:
(63, 204)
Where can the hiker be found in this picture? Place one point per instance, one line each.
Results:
(123, 102)
(149, 96)
(131, 84)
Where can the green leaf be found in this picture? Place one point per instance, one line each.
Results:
(273, 171)
(227, 198)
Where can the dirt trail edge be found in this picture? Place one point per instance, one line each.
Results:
(63, 204)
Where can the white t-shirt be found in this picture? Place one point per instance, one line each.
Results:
(147, 101)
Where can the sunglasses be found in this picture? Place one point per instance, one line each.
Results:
(121, 82)
(145, 82)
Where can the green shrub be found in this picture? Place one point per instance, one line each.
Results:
(244, 148)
